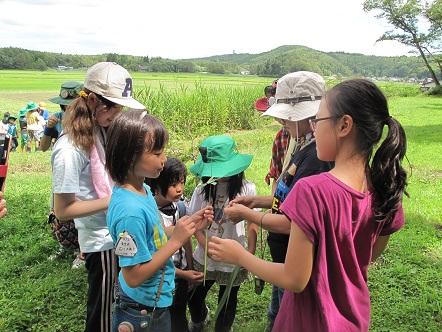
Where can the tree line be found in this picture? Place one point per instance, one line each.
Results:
(274, 63)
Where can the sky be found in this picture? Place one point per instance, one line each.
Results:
(191, 28)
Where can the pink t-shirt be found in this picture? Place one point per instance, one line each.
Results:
(338, 220)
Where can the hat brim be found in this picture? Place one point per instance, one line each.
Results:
(233, 166)
(61, 101)
(261, 104)
(297, 112)
(127, 102)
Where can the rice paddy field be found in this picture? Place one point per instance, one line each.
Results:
(38, 294)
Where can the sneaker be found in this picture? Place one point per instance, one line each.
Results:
(199, 327)
(78, 262)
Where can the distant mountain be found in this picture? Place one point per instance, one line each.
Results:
(274, 63)
(290, 58)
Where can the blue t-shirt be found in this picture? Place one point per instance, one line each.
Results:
(138, 216)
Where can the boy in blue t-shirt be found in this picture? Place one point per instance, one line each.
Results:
(168, 190)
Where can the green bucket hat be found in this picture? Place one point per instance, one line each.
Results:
(68, 92)
(30, 106)
(22, 112)
(220, 158)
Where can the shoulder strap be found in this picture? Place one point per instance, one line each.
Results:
(181, 209)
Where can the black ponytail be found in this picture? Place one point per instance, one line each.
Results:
(367, 105)
(387, 176)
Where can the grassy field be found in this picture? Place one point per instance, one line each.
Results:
(37, 294)
(17, 87)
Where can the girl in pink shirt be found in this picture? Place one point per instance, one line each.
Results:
(340, 220)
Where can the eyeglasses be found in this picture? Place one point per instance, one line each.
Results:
(313, 122)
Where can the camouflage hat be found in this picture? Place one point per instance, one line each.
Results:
(68, 92)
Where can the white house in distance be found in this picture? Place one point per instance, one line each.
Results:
(61, 68)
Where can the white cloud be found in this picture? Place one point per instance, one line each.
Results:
(192, 28)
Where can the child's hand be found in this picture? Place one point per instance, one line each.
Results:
(183, 230)
(3, 209)
(225, 250)
(235, 212)
(244, 200)
(202, 218)
(193, 277)
(52, 121)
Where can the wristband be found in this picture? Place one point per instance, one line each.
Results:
(51, 132)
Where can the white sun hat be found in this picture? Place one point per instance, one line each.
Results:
(113, 82)
(298, 96)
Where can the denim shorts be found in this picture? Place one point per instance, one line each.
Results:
(141, 320)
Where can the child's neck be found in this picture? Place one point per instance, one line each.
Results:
(161, 200)
(134, 184)
(351, 171)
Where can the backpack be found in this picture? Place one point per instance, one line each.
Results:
(182, 211)
(64, 232)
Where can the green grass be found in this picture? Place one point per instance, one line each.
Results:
(19, 86)
(41, 295)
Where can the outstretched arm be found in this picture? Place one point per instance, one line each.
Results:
(293, 275)
(275, 223)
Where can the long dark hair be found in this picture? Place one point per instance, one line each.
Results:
(129, 136)
(366, 104)
(234, 187)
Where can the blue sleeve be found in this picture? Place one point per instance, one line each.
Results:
(136, 227)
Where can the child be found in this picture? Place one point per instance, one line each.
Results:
(294, 107)
(168, 190)
(353, 209)
(12, 131)
(24, 135)
(146, 280)
(219, 159)
(80, 183)
(34, 123)
(69, 91)
(282, 138)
